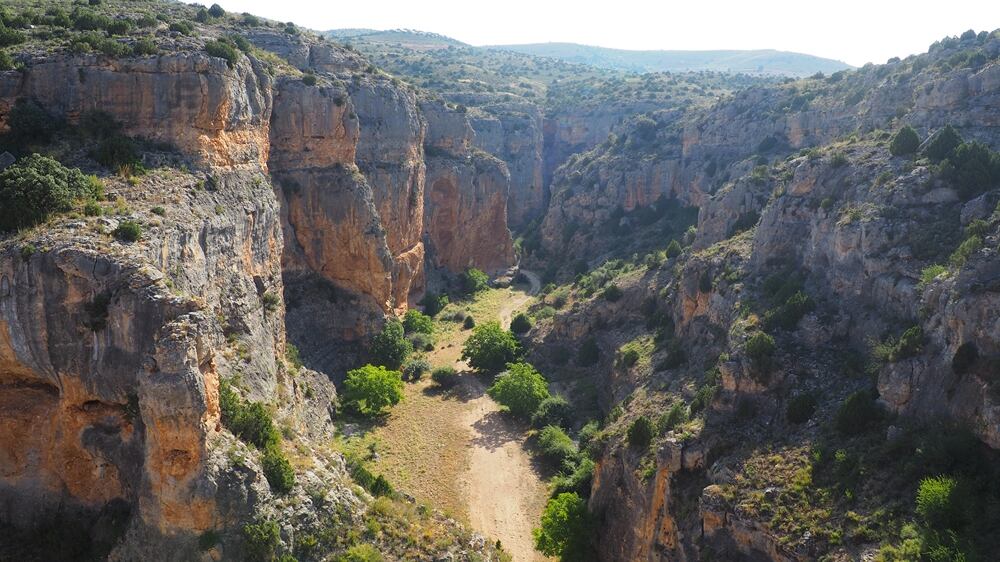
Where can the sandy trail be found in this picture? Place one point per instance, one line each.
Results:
(504, 493)
(458, 451)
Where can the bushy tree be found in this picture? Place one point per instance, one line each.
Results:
(414, 369)
(415, 321)
(640, 433)
(371, 389)
(490, 348)
(674, 249)
(216, 11)
(390, 346)
(565, 529)
(556, 446)
(277, 470)
(905, 141)
(973, 168)
(554, 410)
(521, 389)
(433, 303)
(520, 324)
(760, 349)
(857, 414)
(942, 144)
(473, 281)
(28, 122)
(223, 50)
(36, 186)
(939, 503)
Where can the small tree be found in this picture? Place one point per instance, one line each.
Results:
(490, 348)
(414, 369)
(433, 303)
(760, 348)
(940, 505)
(857, 414)
(640, 433)
(371, 389)
(520, 324)
(942, 144)
(905, 141)
(216, 11)
(556, 446)
(521, 389)
(473, 281)
(37, 186)
(674, 249)
(390, 346)
(565, 530)
(415, 321)
(554, 410)
(277, 470)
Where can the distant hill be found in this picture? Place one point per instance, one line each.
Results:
(408, 37)
(764, 61)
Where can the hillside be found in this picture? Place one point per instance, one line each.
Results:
(763, 61)
(268, 295)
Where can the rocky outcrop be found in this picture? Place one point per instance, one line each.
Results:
(466, 199)
(513, 133)
(214, 113)
(390, 155)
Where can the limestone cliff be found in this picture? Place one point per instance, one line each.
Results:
(466, 201)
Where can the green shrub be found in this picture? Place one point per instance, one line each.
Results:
(182, 27)
(630, 355)
(787, 315)
(521, 389)
(930, 273)
(278, 470)
(640, 433)
(555, 446)
(119, 27)
(942, 144)
(6, 61)
(10, 37)
(86, 20)
(800, 408)
(309, 79)
(390, 346)
(676, 415)
(858, 414)
(673, 249)
(128, 231)
(760, 348)
(970, 246)
(490, 348)
(416, 321)
(35, 187)
(940, 503)
(473, 280)
(376, 485)
(421, 341)
(565, 529)
(838, 159)
(30, 123)
(611, 293)
(445, 377)
(554, 410)
(223, 50)
(118, 153)
(520, 324)
(905, 141)
(973, 168)
(145, 46)
(216, 11)
(578, 481)
(370, 389)
(414, 369)
(92, 209)
(361, 553)
(261, 540)
(433, 303)
(469, 323)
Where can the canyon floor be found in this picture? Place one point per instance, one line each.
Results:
(455, 450)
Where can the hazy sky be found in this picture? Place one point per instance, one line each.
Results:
(854, 31)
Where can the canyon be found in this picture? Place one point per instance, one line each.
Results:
(714, 251)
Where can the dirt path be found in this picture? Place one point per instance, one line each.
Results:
(456, 450)
(503, 491)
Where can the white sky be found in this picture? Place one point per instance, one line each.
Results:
(854, 31)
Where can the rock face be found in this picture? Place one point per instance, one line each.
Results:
(466, 199)
(513, 133)
(193, 101)
(786, 186)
